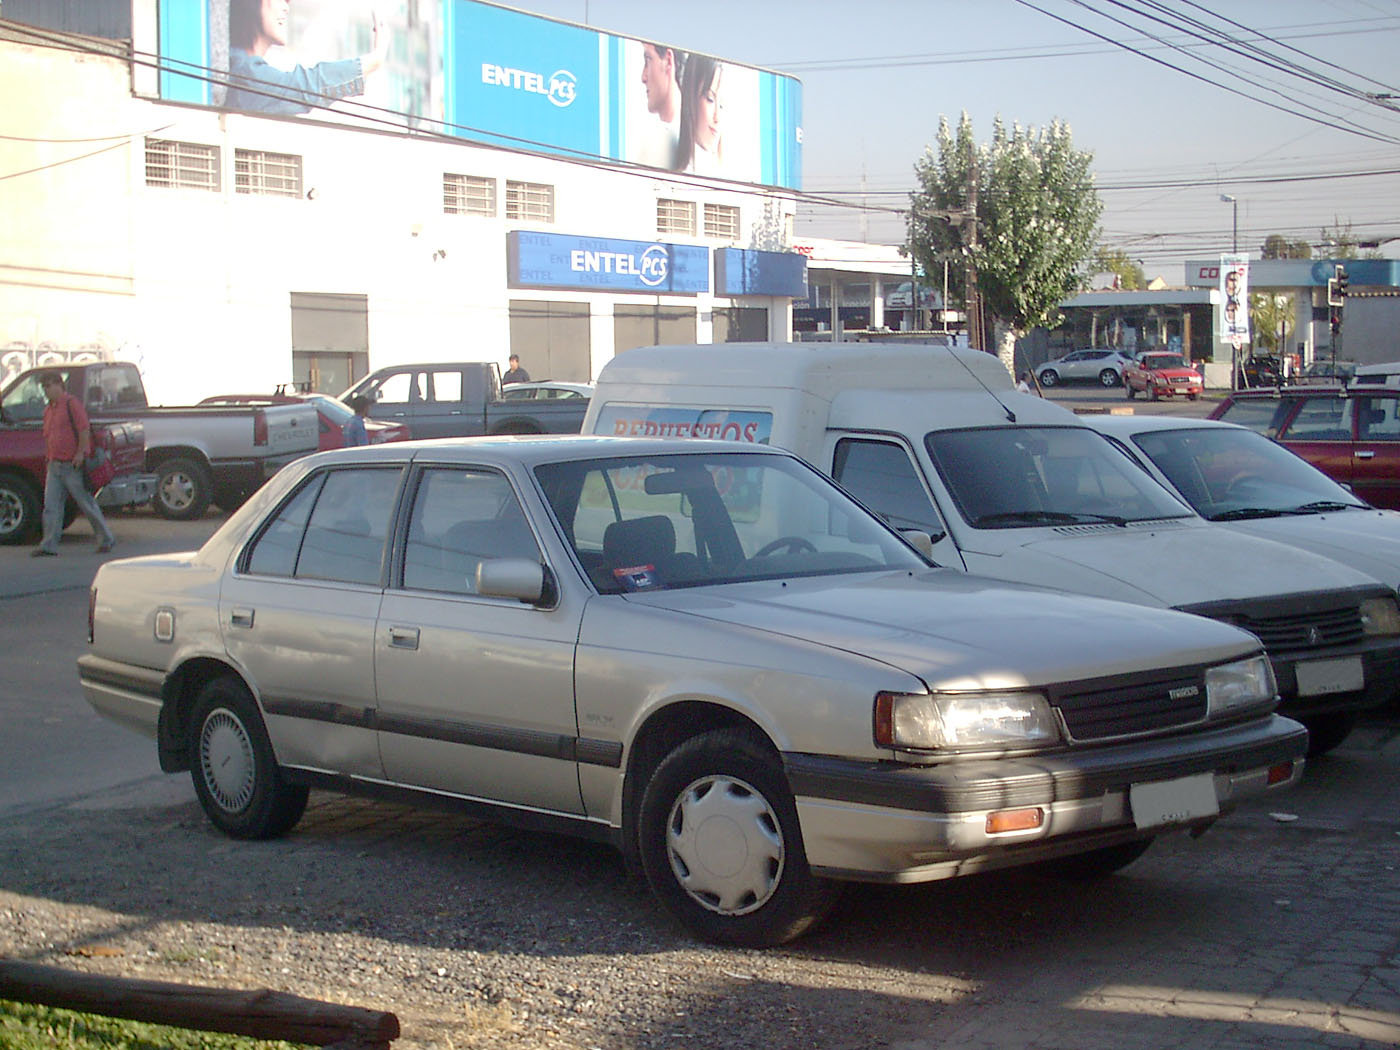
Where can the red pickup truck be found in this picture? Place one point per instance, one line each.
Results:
(22, 473)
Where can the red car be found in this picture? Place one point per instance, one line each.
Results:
(1351, 434)
(331, 417)
(1161, 374)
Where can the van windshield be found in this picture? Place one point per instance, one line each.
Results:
(1021, 477)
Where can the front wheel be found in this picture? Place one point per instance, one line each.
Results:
(1049, 377)
(183, 490)
(235, 773)
(1327, 731)
(20, 502)
(1108, 377)
(721, 847)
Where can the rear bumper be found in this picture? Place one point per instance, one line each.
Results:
(127, 490)
(886, 822)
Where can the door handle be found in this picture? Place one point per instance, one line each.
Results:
(1365, 455)
(403, 637)
(241, 618)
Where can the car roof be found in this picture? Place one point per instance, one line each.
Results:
(1311, 390)
(530, 450)
(1126, 426)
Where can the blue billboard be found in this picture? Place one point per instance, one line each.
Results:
(491, 74)
(746, 271)
(605, 264)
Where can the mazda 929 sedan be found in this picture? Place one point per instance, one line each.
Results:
(708, 656)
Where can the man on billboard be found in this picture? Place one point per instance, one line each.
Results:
(658, 139)
(257, 26)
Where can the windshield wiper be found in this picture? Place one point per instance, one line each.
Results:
(1046, 517)
(1241, 513)
(1318, 506)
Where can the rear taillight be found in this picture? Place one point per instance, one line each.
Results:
(259, 427)
(92, 611)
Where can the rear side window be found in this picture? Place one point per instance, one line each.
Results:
(1261, 415)
(1377, 418)
(1321, 419)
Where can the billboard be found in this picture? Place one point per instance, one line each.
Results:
(486, 73)
(598, 264)
(1233, 322)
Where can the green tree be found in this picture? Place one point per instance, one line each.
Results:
(1277, 246)
(1032, 227)
(1272, 318)
(1110, 260)
(1338, 242)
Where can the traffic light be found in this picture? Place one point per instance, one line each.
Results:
(1333, 297)
(1336, 317)
(1341, 280)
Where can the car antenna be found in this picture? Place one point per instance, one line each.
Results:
(1010, 415)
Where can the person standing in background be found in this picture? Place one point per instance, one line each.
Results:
(67, 442)
(515, 374)
(354, 429)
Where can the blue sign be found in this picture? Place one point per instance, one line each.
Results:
(744, 271)
(604, 264)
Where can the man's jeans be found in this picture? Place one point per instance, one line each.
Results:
(62, 480)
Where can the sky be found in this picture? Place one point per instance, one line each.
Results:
(878, 74)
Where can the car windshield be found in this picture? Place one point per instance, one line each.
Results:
(336, 411)
(641, 523)
(1163, 361)
(1019, 477)
(1229, 474)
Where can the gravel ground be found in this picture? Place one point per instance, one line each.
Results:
(482, 936)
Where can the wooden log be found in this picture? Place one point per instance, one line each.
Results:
(261, 1014)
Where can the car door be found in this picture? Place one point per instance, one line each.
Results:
(475, 694)
(1320, 429)
(298, 615)
(1375, 465)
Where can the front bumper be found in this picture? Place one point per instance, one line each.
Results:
(888, 822)
(1379, 661)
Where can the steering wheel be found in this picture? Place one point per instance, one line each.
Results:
(791, 544)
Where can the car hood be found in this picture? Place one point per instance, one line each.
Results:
(1174, 566)
(1366, 540)
(954, 630)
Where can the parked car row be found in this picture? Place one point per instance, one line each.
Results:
(695, 646)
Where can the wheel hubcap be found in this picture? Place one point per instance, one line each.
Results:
(725, 845)
(226, 758)
(176, 491)
(11, 512)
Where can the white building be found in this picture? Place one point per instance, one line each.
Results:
(229, 251)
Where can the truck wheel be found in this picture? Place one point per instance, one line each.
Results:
(20, 503)
(235, 774)
(1097, 863)
(182, 490)
(719, 842)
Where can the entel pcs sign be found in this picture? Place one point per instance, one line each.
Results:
(548, 260)
(561, 89)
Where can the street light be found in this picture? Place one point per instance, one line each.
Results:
(1235, 227)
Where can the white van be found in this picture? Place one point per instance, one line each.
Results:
(1014, 487)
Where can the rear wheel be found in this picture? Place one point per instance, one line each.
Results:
(20, 503)
(1049, 377)
(1108, 377)
(183, 490)
(234, 771)
(721, 847)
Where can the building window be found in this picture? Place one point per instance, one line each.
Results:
(270, 174)
(182, 165)
(675, 217)
(529, 201)
(722, 221)
(468, 195)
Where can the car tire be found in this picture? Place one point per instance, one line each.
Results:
(234, 771)
(183, 490)
(1327, 731)
(21, 504)
(1096, 863)
(1108, 377)
(1049, 377)
(720, 845)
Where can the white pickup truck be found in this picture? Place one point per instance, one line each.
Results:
(199, 453)
(1008, 485)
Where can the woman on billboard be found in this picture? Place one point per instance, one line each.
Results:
(256, 26)
(701, 150)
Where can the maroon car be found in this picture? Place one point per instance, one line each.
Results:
(1351, 434)
(331, 417)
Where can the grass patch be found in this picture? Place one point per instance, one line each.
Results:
(25, 1026)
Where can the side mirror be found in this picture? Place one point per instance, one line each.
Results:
(921, 541)
(518, 578)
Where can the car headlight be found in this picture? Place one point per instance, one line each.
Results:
(1242, 684)
(964, 720)
(1380, 616)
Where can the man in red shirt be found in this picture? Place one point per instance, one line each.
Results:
(67, 442)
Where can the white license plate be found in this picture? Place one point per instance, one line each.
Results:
(1173, 801)
(1320, 677)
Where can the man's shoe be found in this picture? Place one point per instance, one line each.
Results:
(103, 548)
(39, 552)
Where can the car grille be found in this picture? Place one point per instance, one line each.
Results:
(1305, 630)
(1125, 706)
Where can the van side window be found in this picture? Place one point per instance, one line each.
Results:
(882, 476)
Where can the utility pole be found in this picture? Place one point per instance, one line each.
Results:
(976, 335)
